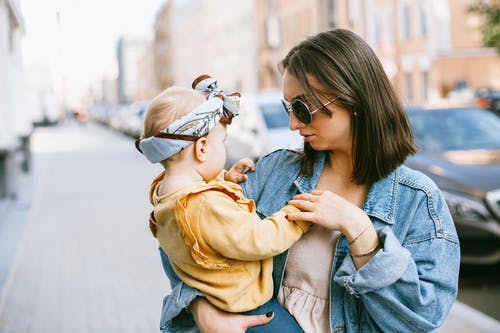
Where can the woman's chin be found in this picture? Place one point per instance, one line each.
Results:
(317, 146)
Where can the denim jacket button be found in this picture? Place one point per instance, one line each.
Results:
(349, 290)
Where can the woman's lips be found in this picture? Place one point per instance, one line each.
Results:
(307, 137)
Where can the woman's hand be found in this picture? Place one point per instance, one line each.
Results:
(210, 319)
(334, 212)
(329, 210)
(237, 172)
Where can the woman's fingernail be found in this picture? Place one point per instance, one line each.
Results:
(269, 314)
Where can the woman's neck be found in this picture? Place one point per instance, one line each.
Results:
(342, 163)
(337, 177)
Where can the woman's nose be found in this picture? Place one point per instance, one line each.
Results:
(295, 124)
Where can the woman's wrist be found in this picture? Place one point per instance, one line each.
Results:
(350, 242)
(365, 242)
(363, 245)
(362, 238)
(356, 227)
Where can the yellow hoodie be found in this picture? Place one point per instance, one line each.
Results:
(217, 244)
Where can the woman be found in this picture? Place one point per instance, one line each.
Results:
(383, 254)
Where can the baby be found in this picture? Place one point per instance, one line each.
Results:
(211, 233)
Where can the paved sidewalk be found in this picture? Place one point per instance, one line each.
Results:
(86, 261)
(76, 254)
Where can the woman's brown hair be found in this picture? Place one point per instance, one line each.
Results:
(346, 66)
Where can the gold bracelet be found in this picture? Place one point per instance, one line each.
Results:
(356, 238)
(375, 249)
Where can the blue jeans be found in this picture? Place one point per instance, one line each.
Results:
(283, 321)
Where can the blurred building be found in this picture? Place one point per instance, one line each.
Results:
(239, 45)
(215, 37)
(427, 47)
(15, 125)
(129, 52)
(163, 47)
(46, 93)
(466, 61)
(147, 84)
(109, 90)
(280, 25)
(43, 102)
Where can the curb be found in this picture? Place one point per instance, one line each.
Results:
(463, 318)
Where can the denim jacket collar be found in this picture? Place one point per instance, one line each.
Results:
(380, 201)
(306, 183)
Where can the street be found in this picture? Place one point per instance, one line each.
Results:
(76, 254)
(479, 287)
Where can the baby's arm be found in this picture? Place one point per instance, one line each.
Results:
(236, 173)
(235, 232)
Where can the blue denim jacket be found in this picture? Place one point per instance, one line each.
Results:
(408, 286)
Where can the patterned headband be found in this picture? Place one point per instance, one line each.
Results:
(219, 107)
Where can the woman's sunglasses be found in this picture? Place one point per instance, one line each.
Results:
(301, 110)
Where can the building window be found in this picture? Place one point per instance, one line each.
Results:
(423, 17)
(425, 85)
(406, 20)
(10, 31)
(377, 25)
(273, 35)
(408, 87)
(389, 21)
(353, 11)
(331, 13)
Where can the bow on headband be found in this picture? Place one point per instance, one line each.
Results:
(231, 103)
(219, 107)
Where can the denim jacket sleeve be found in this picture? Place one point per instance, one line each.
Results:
(412, 282)
(174, 314)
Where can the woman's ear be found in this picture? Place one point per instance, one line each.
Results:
(200, 149)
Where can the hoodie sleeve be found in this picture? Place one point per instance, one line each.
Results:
(235, 231)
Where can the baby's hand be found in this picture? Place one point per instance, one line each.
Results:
(237, 172)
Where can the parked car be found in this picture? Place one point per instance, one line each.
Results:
(125, 118)
(261, 128)
(460, 151)
(488, 99)
(132, 119)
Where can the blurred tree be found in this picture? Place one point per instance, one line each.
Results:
(490, 11)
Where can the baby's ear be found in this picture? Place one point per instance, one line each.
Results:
(200, 149)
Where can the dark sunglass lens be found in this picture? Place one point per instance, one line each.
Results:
(301, 111)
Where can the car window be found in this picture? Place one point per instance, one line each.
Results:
(274, 115)
(456, 129)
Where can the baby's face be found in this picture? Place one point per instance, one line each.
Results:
(216, 151)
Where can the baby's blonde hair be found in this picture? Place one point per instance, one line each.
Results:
(170, 105)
